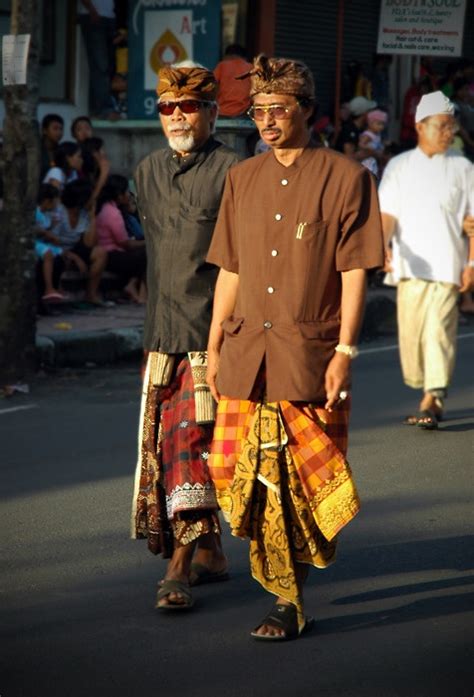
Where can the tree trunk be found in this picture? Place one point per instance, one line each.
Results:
(21, 162)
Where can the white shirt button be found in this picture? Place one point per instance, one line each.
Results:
(267, 325)
(270, 289)
(274, 252)
(278, 216)
(284, 182)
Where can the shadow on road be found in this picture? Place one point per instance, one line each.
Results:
(418, 610)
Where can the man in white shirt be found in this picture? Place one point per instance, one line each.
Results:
(427, 205)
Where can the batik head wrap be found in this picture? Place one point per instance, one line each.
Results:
(198, 83)
(280, 76)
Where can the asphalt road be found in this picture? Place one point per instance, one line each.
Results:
(394, 614)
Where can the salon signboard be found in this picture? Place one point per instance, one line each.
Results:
(421, 27)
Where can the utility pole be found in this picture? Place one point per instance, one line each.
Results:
(20, 171)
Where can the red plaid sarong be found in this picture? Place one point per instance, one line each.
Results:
(172, 476)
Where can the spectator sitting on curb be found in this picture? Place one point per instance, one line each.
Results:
(126, 257)
(47, 244)
(130, 216)
(77, 235)
(81, 129)
(67, 165)
(52, 129)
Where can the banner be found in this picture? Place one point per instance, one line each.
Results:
(421, 27)
(161, 32)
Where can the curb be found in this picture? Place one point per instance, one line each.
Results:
(74, 349)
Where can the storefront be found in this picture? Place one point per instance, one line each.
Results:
(201, 29)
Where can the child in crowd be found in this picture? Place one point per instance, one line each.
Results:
(67, 165)
(77, 235)
(371, 139)
(126, 256)
(81, 129)
(47, 244)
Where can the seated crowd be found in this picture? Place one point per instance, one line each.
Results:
(86, 218)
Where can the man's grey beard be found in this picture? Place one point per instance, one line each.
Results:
(182, 143)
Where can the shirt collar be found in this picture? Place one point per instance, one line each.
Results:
(182, 164)
(300, 161)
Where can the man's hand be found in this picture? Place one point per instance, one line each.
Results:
(467, 279)
(468, 225)
(337, 378)
(212, 368)
(388, 265)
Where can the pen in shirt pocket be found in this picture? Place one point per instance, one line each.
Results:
(300, 230)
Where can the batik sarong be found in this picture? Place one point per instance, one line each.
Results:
(282, 480)
(174, 497)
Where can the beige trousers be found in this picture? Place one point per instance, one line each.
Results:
(427, 328)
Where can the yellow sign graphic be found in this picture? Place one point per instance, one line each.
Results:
(168, 49)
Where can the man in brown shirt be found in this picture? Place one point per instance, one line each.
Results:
(297, 229)
(179, 190)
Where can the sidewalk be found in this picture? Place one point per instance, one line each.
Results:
(77, 336)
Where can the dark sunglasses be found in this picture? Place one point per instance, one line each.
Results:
(187, 106)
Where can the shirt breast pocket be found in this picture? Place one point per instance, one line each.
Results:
(308, 233)
(451, 199)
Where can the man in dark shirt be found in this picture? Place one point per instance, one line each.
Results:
(179, 190)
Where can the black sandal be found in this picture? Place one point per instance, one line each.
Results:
(170, 586)
(282, 617)
(428, 420)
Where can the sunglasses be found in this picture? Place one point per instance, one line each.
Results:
(278, 111)
(187, 106)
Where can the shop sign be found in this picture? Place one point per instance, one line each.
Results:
(421, 27)
(161, 32)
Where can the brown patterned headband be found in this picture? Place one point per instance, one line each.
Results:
(280, 76)
(199, 83)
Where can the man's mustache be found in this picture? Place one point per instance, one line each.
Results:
(182, 127)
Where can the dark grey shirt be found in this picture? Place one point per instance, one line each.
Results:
(178, 200)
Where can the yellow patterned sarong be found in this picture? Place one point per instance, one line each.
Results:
(282, 480)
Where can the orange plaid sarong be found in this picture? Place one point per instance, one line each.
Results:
(282, 480)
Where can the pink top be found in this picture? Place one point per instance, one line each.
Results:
(111, 228)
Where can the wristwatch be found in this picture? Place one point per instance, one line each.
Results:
(350, 351)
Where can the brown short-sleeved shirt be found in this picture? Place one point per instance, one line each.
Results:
(289, 232)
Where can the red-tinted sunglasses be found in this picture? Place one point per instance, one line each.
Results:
(187, 106)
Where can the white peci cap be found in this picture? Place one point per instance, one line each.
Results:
(433, 104)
